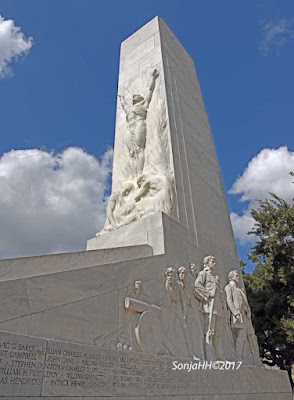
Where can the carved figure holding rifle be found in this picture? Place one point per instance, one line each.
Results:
(207, 283)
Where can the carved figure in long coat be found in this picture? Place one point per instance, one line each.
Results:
(240, 317)
(191, 320)
(207, 283)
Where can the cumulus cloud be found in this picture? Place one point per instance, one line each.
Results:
(51, 202)
(275, 34)
(267, 172)
(13, 44)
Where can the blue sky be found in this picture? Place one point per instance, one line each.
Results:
(63, 93)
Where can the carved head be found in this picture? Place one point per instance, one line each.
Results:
(182, 273)
(141, 179)
(209, 263)
(126, 188)
(234, 276)
(169, 274)
(138, 286)
(137, 98)
(193, 269)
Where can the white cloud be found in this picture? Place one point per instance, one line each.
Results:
(275, 34)
(241, 225)
(13, 44)
(51, 202)
(266, 172)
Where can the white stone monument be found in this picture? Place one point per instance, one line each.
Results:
(147, 312)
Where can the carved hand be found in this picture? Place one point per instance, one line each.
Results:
(155, 73)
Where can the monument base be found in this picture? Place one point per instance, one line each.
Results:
(63, 315)
(151, 230)
(37, 368)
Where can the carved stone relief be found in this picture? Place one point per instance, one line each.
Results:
(143, 177)
(195, 318)
(207, 283)
(240, 318)
(136, 126)
(192, 323)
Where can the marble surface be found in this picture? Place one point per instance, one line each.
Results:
(71, 308)
(39, 368)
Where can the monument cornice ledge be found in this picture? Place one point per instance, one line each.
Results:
(26, 267)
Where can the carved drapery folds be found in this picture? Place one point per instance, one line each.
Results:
(195, 318)
(143, 176)
(240, 318)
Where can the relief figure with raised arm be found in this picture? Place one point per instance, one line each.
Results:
(136, 115)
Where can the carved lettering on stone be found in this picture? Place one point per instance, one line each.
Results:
(21, 364)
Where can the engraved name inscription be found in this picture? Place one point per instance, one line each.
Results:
(32, 366)
(21, 364)
(79, 369)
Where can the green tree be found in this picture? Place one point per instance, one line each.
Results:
(270, 288)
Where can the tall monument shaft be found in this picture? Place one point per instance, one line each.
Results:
(179, 152)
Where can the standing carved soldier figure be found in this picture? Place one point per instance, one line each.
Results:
(173, 314)
(191, 321)
(207, 284)
(240, 311)
(136, 115)
(193, 271)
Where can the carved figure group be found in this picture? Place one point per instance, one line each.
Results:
(146, 181)
(193, 314)
(121, 208)
(150, 193)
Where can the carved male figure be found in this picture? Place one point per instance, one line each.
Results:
(172, 289)
(191, 319)
(138, 289)
(154, 193)
(172, 312)
(127, 211)
(141, 308)
(121, 208)
(207, 283)
(193, 274)
(240, 311)
(140, 293)
(136, 115)
(193, 270)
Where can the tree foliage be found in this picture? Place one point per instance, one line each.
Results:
(270, 288)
